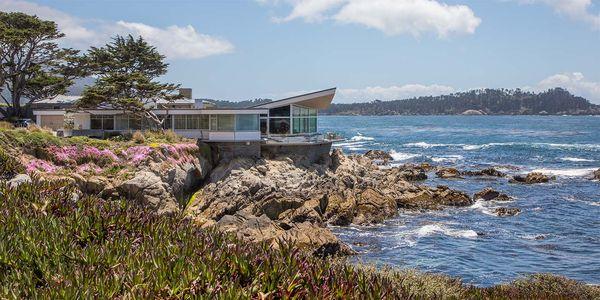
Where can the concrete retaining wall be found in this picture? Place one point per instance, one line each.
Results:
(312, 151)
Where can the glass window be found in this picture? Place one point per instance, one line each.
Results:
(95, 122)
(192, 121)
(312, 125)
(296, 110)
(204, 119)
(246, 123)
(283, 111)
(263, 126)
(279, 125)
(180, 122)
(121, 122)
(225, 122)
(108, 122)
(213, 122)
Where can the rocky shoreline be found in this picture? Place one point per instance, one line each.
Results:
(292, 199)
(264, 200)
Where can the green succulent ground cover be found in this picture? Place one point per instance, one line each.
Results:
(54, 244)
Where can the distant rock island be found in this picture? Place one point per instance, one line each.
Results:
(555, 101)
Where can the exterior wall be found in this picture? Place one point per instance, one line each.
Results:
(227, 150)
(53, 122)
(311, 151)
(82, 121)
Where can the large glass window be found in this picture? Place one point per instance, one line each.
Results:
(279, 125)
(283, 111)
(264, 125)
(246, 123)
(225, 122)
(180, 122)
(102, 122)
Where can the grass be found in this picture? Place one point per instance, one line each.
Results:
(53, 245)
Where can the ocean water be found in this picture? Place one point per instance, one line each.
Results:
(558, 230)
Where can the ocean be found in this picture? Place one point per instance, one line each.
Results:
(558, 230)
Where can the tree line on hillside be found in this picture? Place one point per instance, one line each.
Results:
(555, 101)
(34, 66)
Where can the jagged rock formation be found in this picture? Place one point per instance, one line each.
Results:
(531, 178)
(489, 194)
(507, 211)
(291, 198)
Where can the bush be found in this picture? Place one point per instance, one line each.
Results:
(53, 245)
(138, 137)
(6, 125)
(9, 166)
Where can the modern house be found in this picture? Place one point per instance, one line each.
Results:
(284, 125)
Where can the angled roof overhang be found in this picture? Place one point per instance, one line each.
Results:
(320, 100)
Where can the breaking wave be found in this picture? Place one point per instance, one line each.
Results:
(576, 159)
(567, 172)
(471, 147)
(433, 229)
(399, 156)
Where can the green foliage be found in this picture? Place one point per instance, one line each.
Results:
(55, 246)
(127, 69)
(9, 165)
(490, 101)
(32, 65)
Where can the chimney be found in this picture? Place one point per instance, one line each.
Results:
(186, 93)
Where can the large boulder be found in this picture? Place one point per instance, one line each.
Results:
(531, 178)
(18, 180)
(448, 173)
(436, 198)
(489, 194)
(149, 190)
(492, 172)
(373, 207)
(379, 156)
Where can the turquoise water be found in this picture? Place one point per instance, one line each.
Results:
(558, 230)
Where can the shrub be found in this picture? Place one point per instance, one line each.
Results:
(6, 125)
(138, 137)
(9, 166)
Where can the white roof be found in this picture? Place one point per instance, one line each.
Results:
(321, 100)
(59, 99)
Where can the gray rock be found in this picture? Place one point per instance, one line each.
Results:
(488, 194)
(18, 180)
(148, 189)
(531, 178)
(507, 211)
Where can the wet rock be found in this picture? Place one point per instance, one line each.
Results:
(449, 197)
(448, 173)
(507, 211)
(379, 156)
(373, 207)
(427, 198)
(488, 194)
(531, 178)
(597, 174)
(18, 180)
(492, 172)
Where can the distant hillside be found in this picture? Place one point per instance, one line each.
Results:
(556, 101)
(238, 104)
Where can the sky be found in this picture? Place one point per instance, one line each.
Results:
(368, 49)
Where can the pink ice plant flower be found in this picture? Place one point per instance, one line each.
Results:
(41, 165)
(89, 168)
(137, 154)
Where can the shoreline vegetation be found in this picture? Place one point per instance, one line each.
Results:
(117, 234)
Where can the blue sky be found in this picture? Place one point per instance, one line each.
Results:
(369, 49)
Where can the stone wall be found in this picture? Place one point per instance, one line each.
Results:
(313, 152)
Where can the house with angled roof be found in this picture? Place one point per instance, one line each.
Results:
(283, 126)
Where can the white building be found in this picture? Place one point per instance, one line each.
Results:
(290, 120)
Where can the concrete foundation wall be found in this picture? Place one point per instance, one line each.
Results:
(227, 150)
(312, 151)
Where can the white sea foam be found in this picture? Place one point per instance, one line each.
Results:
(361, 137)
(447, 158)
(399, 156)
(567, 172)
(576, 159)
(481, 206)
(426, 145)
(432, 229)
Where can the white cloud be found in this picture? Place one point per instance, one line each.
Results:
(574, 83)
(173, 41)
(394, 92)
(578, 10)
(392, 17)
